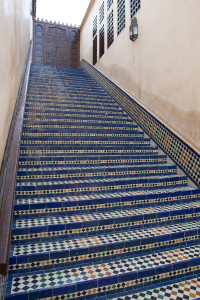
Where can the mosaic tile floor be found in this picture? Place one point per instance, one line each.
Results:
(100, 212)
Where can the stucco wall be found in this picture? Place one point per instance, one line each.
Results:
(14, 45)
(161, 69)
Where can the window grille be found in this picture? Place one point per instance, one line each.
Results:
(95, 50)
(101, 13)
(101, 41)
(135, 6)
(94, 26)
(120, 15)
(110, 29)
(109, 3)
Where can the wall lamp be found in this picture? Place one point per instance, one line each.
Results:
(133, 29)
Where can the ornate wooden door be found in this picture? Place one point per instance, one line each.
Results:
(57, 45)
(62, 48)
(38, 56)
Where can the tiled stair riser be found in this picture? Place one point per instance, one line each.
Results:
(70, 206)
(188, 288)
(102, 248)
(137, 271)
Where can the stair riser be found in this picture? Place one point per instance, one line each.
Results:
(99, 205)
(99, 254)
(143, 181)
(74, 190)
(116, 283)
(56, 232)
(40, 121)
(106, 170)
(71, 211)
(96, 176)
(90, 155)
(78, 139)
(81, 131)
(88, 112)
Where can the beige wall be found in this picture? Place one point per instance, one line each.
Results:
(14, 45)
(161, 69)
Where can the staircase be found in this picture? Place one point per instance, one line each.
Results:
(100, 212)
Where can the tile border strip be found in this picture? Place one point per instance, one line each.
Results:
(182, 154)
(8, 193)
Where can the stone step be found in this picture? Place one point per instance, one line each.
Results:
(99, 172)
(96, 249)
(76, 148)
(99, 223)
(79, 130)
(46, 103)
(87, 117)
(79, 187)
(106, 277)
(70, 139)
(73, 111)
(95, 203)
(179, 289)
(40, 120)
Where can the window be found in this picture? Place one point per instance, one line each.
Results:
(95, 26)
(95, 50)
(120, 15)
(101, 41)
(101, 13)
(109, 3)
(135, 6)
(110, 29)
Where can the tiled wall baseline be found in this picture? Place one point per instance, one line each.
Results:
(181, 153)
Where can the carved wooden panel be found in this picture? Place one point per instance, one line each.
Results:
(50, 46)
(59, 45)
(38, 56)
(74, 41)
(62, 48)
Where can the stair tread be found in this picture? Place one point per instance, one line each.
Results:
(107, 195)
(188, 288)
(102, 240)
(118, 270)
(127, 214)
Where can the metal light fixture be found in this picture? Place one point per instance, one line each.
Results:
(133, 29)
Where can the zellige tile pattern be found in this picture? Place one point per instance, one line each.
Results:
(100, 212)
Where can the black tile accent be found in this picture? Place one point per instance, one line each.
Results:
(181, 153)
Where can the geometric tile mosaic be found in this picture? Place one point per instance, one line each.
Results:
(91, 272)
(104, 239)
(115, 214)
(181, 153)
(189, 289)
(99, 210)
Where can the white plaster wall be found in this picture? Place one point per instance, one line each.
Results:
(14, 45)
(161, 69)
